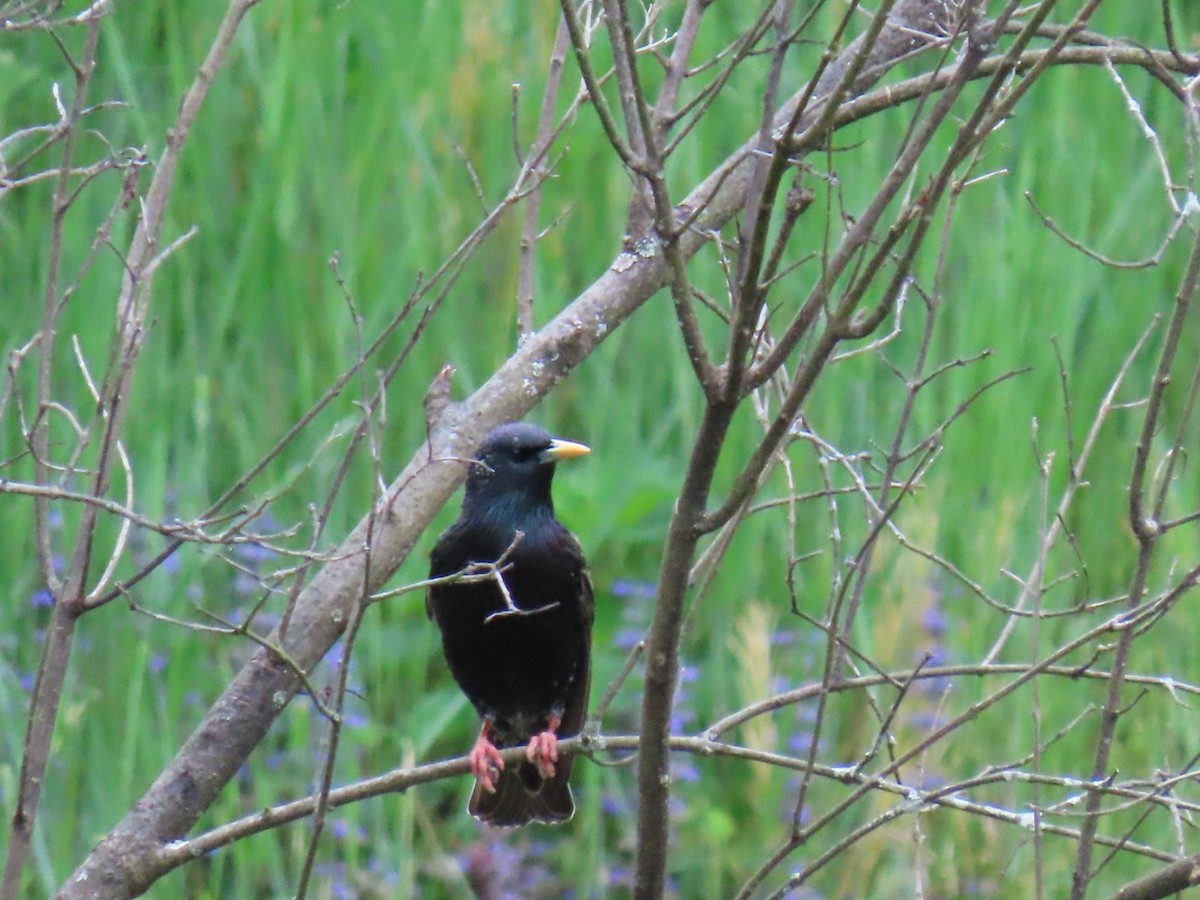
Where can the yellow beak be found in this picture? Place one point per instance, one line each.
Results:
(560, 449)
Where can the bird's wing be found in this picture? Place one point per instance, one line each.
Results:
(575, 713)
(441, 563)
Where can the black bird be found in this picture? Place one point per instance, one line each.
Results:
(521, 652)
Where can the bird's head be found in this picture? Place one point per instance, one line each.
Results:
(513, 468)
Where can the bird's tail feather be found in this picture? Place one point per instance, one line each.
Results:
(523, 796)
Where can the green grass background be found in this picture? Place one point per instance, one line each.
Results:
(334, 128)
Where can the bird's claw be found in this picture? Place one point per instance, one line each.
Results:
(486, 762)
(543, 749)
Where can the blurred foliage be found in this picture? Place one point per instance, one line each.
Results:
(343, 128)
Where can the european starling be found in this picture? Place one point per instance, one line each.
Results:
(521, 652)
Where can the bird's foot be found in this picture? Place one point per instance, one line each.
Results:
(486, 761)
(543, 748)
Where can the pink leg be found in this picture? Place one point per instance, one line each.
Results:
(543, 748)
(486, 762)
